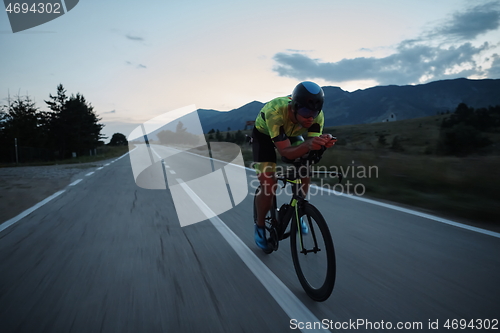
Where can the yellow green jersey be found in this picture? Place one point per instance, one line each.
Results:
(274, 120)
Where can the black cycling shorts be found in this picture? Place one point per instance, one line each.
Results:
(263, 147)
(264, 153)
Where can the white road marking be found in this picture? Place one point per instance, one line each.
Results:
(28, 211)
(414, 212)
(172, 172)
(393, 207)
(162, 161)
(157, 155)
(123, 155)
(292, 306)
(90, 174)
(99, 168)
(75, 182)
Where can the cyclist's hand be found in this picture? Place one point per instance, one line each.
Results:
(330, 140)
(317, 142)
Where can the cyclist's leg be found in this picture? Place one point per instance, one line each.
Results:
(306, 182)
(264, 199)
(265, 157)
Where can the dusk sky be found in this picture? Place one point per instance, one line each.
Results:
(135, 60)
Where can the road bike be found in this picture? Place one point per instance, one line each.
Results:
(313, 253)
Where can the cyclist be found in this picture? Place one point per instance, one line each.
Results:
(280, 122)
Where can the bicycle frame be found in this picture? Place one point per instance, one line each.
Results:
(296, 203)
(297, 198)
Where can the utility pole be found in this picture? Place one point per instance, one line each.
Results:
(17, 156)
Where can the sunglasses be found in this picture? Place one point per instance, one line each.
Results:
(307, 113)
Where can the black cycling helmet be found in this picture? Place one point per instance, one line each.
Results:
(307, 97)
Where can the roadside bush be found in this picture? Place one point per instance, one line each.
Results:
(461, 140)
(462, 133)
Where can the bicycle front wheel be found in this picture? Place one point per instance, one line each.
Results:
(313, 254)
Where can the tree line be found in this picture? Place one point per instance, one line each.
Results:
(463, 132)
(238, 137)
(70, 126)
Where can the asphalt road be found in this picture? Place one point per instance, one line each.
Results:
(109, 256)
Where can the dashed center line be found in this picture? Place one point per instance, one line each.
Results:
(75, 182)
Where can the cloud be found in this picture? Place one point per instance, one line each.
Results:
(140, 66)
(134, 38)
(108, 112)
(470, 24)
(417, 60)
(494, 71)
(412, 63)
(298, 51)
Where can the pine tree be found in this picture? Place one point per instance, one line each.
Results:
(74, 125)
(23, 122)
(218, 136)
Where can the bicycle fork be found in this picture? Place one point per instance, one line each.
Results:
(296, 209)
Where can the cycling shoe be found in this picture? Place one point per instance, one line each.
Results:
(303, 226)
(260, 239)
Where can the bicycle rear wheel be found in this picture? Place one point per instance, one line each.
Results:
(313, 254)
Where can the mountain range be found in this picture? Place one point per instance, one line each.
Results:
(376, 104)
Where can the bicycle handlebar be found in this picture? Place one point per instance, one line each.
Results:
(313, 157)
(307, 160)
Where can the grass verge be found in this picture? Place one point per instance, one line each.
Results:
(460, 187)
